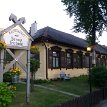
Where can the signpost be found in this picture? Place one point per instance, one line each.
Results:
(16, 37)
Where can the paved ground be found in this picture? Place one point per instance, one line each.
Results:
(102, 104)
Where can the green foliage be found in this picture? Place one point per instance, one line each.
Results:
(41, 81)
(34, 65)
(7, 77)
(6, 95)
(90, 16)
(99, 76)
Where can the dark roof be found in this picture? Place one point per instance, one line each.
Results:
(65, 38)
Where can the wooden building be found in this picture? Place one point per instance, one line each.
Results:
(60, 51)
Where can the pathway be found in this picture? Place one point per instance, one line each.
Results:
(55, 90)
(60, 91)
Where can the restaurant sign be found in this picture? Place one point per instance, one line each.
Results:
(16, 37)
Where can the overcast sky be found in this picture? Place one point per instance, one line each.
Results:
(44, 12)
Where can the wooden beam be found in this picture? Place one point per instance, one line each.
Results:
(16, 59)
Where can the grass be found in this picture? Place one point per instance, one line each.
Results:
(39, 98)
(45, 98)
(76, 85)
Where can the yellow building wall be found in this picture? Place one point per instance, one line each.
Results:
(55, 73)
(41, 73)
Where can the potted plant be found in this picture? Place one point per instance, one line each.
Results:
(2, 45)
(15, 72)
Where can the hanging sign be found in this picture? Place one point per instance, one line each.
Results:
(16, 37)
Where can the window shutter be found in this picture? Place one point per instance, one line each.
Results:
(72, 60)
(104, 61)
(75, 62)
(84, 61)
(101, 61)
(63, 64)
(97, 61)
(49, 58)
(90, 61)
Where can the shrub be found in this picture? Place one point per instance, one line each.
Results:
(7, 77)
(6, 95)
(99, 76)
(41, 81)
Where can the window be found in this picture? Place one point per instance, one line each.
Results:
(87, 61)
(80, 59)
(103, 61)
(75, 61)
(69, 58)
(98, 61)
(55, 59)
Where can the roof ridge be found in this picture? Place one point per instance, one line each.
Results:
(46, 31)
(66, 33)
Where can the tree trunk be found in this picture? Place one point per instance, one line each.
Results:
(32, 82)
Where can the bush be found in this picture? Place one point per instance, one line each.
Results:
(6, 95)
(41, 81)
(99, 76)
(7, 77)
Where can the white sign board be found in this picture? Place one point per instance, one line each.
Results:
(16, 37)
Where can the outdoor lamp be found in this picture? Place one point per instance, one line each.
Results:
(89, 49)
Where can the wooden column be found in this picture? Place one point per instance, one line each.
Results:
(1, 64)
(28, 77)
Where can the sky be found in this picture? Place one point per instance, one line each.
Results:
(45, 12)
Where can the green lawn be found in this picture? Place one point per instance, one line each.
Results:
(39, 98)
(45, 98)
(77, 85)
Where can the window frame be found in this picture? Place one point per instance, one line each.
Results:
(57, 50)
(70, 52)
(56, 59)
(80, 59)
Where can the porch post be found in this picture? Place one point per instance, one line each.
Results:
(1, 64)
(28, 77)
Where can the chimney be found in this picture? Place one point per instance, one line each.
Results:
(33, 29)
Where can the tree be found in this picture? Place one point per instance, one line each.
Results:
(34, 65)
(90, 17)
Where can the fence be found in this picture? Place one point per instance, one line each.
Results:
(87, 100)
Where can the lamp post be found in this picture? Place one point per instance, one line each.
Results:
(89, 50)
